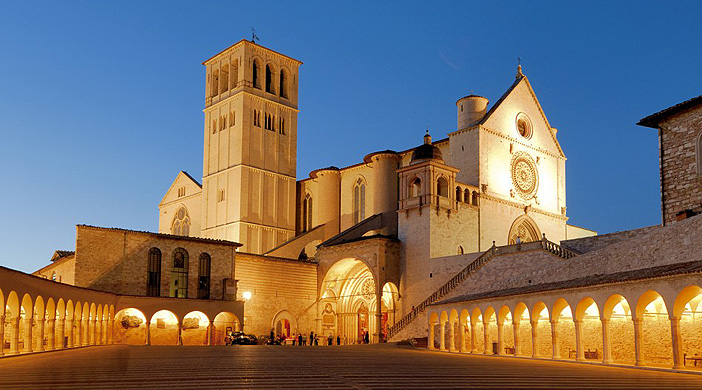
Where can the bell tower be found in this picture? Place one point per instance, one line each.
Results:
(250, 147)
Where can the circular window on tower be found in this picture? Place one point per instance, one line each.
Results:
(524, 126)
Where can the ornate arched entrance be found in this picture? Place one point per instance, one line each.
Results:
(525, 228)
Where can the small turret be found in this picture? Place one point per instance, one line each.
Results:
(471, 109)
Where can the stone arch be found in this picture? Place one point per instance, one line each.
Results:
(464, 329)
(587, 315)
(389, 311)
(686, 311)
(617, 317)
(505, 327)
(540, 320)
(564, 329)
(433, 323)
(655, 341)
(454, 332)
(443, 324)
(442, 187)
(698, 154)
(271, 71)
(222, 324)
(195, 326)
(525, 228)
(130, 327)
(477, 331)
(490, 329)
(284, 81)
(284, 324)
(164, 328)
(522, 343)
(2, 303)
(415, 187)
(180, 225)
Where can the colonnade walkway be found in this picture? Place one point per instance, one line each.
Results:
(362, 366)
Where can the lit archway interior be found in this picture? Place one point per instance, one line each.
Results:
(223, 324)
(194, 330)
(130, 327)
(348, 303)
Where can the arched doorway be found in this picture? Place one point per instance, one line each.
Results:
(195, 325)
(223, 324)
(130, 327)
(284, 324)
(349, 304)
(525, 229)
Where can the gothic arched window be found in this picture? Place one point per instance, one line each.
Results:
(153, 275)
(179, 274)
(458, 194)
(466, 196)
(203, 276)
(359, 201)
(269, 79)
(307, 213)
(234, 77)
(256, 80)
(442, 187)
(283, 84)
(181, 222)
(699, 154)
(214, 89)
(415, 188)
(224, 78)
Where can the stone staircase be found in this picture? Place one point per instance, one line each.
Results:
(470, 269)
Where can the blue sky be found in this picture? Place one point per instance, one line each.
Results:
(101, 102)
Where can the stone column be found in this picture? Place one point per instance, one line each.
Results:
(534, 337)
(678, 358)
(180, 333)
(27, 323)
(110, 331)
(85, 334)
(378, 325)
(2, 335)
(638, 341)
(147, 340)
(40, 335)
(486, 337)
(462, 329)
(14, 335)
(517, 347)
(500, 339)
(472, 339)
(60, 334)
(51, 334)
(442, 333)
(92, 328)
(77, 333)
(208, 335)
(430, 341)
(68, 329)
(452, 337)
(606, 342)
(579, 350)
(554, 340)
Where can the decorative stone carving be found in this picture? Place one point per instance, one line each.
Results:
(368, 289)
(525, 177)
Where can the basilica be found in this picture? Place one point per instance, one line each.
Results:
(461, 241)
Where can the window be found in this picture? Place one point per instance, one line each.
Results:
(524, 126)
(53, 276)
(460, 250)
(256, 80)
(458, 194)
(214, 126)
(224, 79)
(181, 192)
(181, 222)
(215, 83)
(153, 275)
(281, 126)
(232, 118)
(283, 84)
(203, 277)
(269, 79)
(257, 118)
(474, 199)
(179, 274)
(359, 201)
(307, 213)
(699, 154)
(220, 196)
(415, 187)
(442, 187)
(466, 196)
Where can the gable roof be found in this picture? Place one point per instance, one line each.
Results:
(522, 78)
(178, 176)
(60, 254)
(653, 120)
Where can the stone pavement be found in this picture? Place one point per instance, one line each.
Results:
(363, 366)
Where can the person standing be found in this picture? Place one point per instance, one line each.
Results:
(299, 339)
(311, 338)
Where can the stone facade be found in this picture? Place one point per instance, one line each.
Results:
(680, 146)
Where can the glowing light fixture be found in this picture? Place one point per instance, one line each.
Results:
(246, 295)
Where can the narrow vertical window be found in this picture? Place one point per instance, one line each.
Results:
(203, 279)
(283, 84)
(307, 213)
(234, 77)
(269, 79)
(153, 277)
(215, 83)
(224, 79)
(359, 201)
(256, 81)
(179, 274)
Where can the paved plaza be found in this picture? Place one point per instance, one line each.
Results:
(374, 366)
